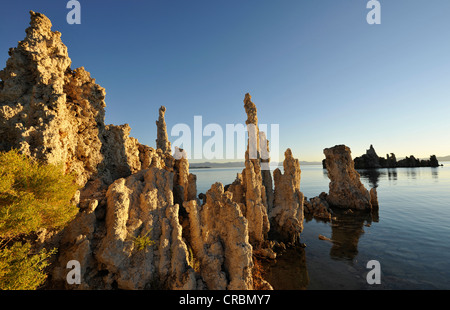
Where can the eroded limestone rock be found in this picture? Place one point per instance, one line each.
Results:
(318, 208)
(286, 217)
(220, 240)
(256, 207)
(142, 205)
(346, 189)
(56, 114)
(162, 140)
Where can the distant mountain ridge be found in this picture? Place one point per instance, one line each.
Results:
(239, 164)
(444, 158)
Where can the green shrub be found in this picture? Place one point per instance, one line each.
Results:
(20, 270)
(141, 243)
(32, 196)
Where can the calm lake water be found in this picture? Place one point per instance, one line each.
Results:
(410, 237)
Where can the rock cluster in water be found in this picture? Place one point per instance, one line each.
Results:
(345, 188)
(130, 191)
(371, 160)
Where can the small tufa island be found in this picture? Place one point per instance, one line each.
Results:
(140, 223)
(371, 160)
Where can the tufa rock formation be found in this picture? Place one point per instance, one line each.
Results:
(318, 208)
(371, 160)
(279, 210)
(220, 240)
(287, 214)
(162, 140)
(140, 205)
(254, 192)
(346, 189)
(56, 114)
(140, 225)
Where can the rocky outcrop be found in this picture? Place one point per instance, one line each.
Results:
(220, 240)
(265, 170)
(276, 210)
(140, 225)
(162, 140)
(142, 205)
(346, 189)
(185, 188)
(368, 160)
(318, 208)
(391, 161)
(286, 217)
(53, 113)
(255, 207)
(139, 206)
(371, 160)
(411, 161)
(56, 114)
(47, 110)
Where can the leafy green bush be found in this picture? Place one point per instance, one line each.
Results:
(20, 270)
(32, 196)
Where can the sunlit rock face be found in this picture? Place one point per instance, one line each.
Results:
(345, 189)
(220, 239)
(287, 213)
(130, 191)
(162, 140)
(56, 114)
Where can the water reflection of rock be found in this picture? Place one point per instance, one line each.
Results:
(288, 271)
(346, 230)
(435, 173)
(392, 174)
(372, 175)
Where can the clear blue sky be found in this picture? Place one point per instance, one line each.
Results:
(314, 67)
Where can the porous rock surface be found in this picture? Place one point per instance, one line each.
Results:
(162, 140)
(56, 114)
(220, 240)
(287, 213)
(318, 208)
(130, 191)
(345, 188)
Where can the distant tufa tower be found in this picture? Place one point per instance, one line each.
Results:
(162, 140)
